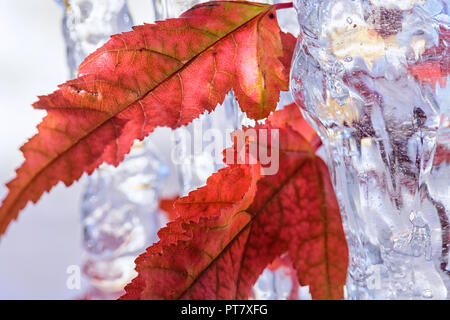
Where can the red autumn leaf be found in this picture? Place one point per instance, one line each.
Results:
(164, 74)
(168, 206)
(219, 246)
(291, 115)
(436, 69)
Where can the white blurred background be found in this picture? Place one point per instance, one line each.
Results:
(36, 250)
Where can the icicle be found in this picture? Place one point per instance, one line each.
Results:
(120, 218)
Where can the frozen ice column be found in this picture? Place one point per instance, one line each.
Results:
(173, 8)
(354, 77)
(120, 218)
(88, 24)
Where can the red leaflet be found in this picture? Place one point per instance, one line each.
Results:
(227, 234)
(165, 74)
(290, 115)
(168, 206)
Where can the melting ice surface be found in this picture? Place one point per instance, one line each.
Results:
(387, 135)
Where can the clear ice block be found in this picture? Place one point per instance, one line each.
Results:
(88, 24)
(120, 216)
(172, 8)
(385, 133)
